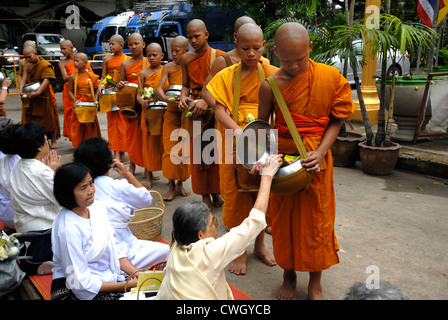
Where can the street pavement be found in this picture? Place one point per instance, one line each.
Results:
(392, 228)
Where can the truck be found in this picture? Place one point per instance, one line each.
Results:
(175, 23)
(115, 26)
(92, 43)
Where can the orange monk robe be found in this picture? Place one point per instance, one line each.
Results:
(303, 222)
(67, 102)
(152, 145)
(202, 181)
(237, 205)
(116, 127)
(171, 122)
(83, 131)
(133, 126)
(43, 109)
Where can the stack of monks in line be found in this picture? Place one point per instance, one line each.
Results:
(302, 223)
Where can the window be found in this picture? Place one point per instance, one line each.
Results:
(4, 45)
(49, 39)
(91, 38)
(169, 31)
(107, 33)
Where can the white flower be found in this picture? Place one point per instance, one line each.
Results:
(3, 254)
(13, 251)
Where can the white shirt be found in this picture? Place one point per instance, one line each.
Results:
(7, 162)
(197, 271)
(121, 199)
(85, 251)
(32, 195)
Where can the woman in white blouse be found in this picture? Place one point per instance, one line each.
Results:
(122, 197)
(87, 258)
(32, 195)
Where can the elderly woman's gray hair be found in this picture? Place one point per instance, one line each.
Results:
(188, 219)
(385, 291)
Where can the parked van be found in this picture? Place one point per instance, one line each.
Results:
(116, 25)
(92, 44)
(136, 22)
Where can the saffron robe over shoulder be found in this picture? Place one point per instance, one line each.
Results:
(83, 131)
(68, 102)
(152, 145)
(116, 130)
(237, 205)
(43, 109)
(204, 181)
(171, 123)
(303, 222)
(134, 141)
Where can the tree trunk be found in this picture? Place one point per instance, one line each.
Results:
(365, 117)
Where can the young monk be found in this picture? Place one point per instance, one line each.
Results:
(115, 121)
(318, 97)
(67, 68)
(152, 144)
(129, 71)
(196, 66)
(42, 103)
(172, 71)
(251, 71)
(82, 86)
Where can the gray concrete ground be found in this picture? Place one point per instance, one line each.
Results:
(395, 226)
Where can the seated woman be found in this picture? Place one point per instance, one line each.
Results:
(32, 195)
(122, 197)
(7, 161)
(87, 260)
(196, 263)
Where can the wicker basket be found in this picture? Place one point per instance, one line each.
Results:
(147, 222)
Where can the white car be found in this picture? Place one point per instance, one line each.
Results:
(401, 66)
(7, 49)
(47, 44)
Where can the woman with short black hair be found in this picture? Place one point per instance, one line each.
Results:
(87, 259)
(122, 197)
(32, 195)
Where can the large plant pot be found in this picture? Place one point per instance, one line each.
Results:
(345, 150)
(378, 160)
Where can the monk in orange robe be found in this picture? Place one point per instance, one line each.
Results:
(178, 172)
(41, 105)
(67, 68)
(318, 97)
(129, 72)
(152, 144)
(116, 126)
(251, 71)
(196, 66)
(82, 85)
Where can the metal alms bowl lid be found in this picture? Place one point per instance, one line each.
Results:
(157, 105)
(86, 104)
(256, 143)
(109, 91)
(2, 77)
(31, 87)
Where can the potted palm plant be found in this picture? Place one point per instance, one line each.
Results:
(378, 153)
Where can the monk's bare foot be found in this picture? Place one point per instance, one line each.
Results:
(54, 145)
(314, 287)
(288, 289)
(239, 265)
(153, 177)
(132, 168)
(123, 157)
(217, 200)
(171, 191)
(207, 201)
(265, 256)
(180, 189)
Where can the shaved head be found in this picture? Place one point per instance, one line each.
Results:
(29, 43)
(154, 46)
(136, 35)
(82, 56)
(242, 20)
(197, 24)
(117, 38)
(66, 43)
(181, 41)
(249, 29)
(29, 49)
(291, 31)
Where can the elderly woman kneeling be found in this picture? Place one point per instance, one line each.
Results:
(196, 263)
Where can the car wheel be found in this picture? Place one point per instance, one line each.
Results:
(394, 69)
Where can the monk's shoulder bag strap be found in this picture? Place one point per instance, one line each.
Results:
(289, 122)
